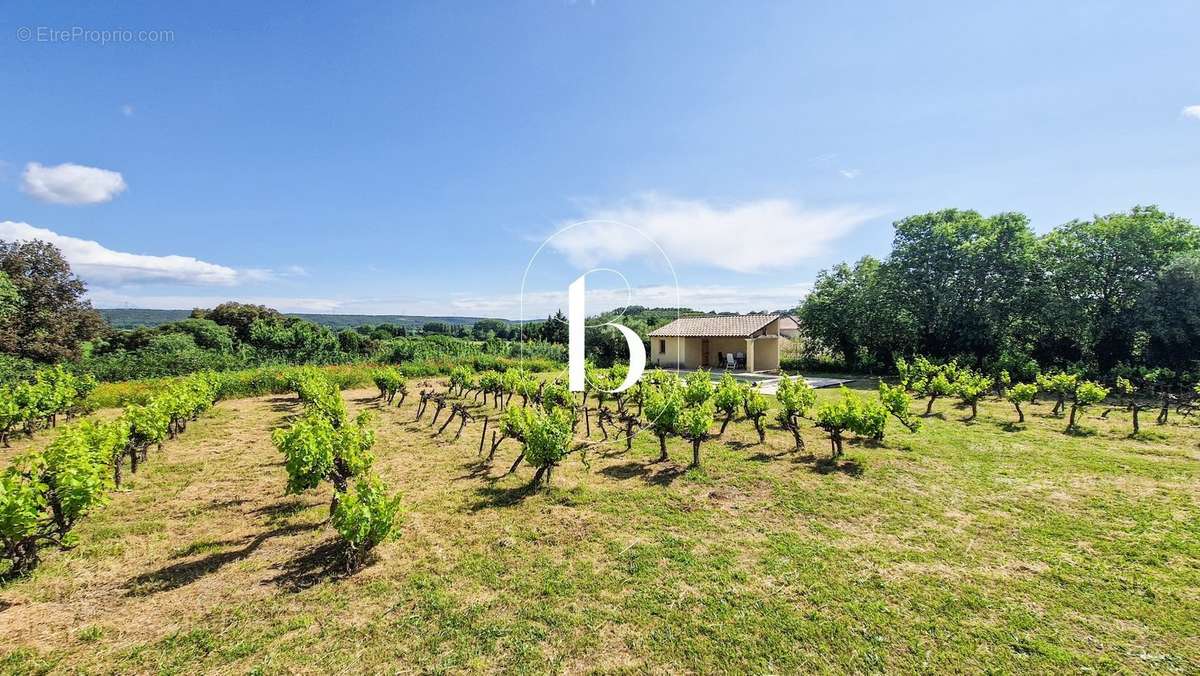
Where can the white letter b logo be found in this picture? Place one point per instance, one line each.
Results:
(576, 318)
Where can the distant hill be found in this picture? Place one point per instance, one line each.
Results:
(130, 318)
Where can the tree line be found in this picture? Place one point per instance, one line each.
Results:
(1090, 295)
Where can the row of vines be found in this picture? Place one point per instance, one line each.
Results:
(44, 493)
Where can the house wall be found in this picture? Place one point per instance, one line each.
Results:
(676, 354)
(687, 352)
(766, 353)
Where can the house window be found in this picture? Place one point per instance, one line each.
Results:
(662, 346)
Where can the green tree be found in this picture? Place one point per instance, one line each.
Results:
(964, 278)
(52, 319)
(239, 317)
(1098, 272)
(10, 299)
(1173, 314)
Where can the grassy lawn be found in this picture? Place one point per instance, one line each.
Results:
(981, 546)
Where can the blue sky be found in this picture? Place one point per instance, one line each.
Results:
(410, 157)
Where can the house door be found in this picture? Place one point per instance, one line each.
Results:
(704, 352)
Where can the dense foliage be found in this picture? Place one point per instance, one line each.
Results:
(987, 290)
(44, 493)
(44, 316)
(324, 444)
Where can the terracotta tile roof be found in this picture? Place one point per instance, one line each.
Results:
(732, 326)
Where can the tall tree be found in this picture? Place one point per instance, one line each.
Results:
(10, 300)
(52, 318)
(1173, 314)
(964, 278)
(1100, 270)
(238, 316)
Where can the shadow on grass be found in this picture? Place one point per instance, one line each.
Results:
(763, 456)
(179, 575)
(739, 445)
(325, 562)
(651, 473)
(494, 496)
(478, 469)
(830, 466)
(629, 470)
(1010, 426)
(214, 505)
(285, 509)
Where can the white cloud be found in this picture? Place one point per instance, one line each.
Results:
(127, 110)
(71, 183)
(114, 298)
(747, 237)
(1192, 112)
(537, 304)
(97, 263)
(850, 173)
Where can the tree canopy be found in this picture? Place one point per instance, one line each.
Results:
(49, 318)
(1119, 288)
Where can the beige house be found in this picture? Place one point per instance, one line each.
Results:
(750, 342)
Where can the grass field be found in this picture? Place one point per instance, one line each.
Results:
(981, 546)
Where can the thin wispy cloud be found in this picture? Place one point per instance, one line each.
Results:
(96, 263)
(754, 236)
(1192, 112)
(850, 173)
(507, 306)
(71, 183)
(118, 298)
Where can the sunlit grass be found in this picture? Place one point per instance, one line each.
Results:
(980, 546)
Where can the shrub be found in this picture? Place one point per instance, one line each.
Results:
(692, 424)
(969, 387)
(1021, 393)
(866, 418)
(74, 478)
(727, 399)
(926, 379)
(795, 398)
(462, 379)
(896, 401)
(755, 406)
(1085, 394)
(389, 381)
(663, 405)
(315, 450)
(364, 517)
(547, 440)
(1060, 385)
(698, 388)
(22, 503)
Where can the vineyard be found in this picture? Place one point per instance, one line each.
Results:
(489, 520)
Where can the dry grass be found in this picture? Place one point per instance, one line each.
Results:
(968, 546)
